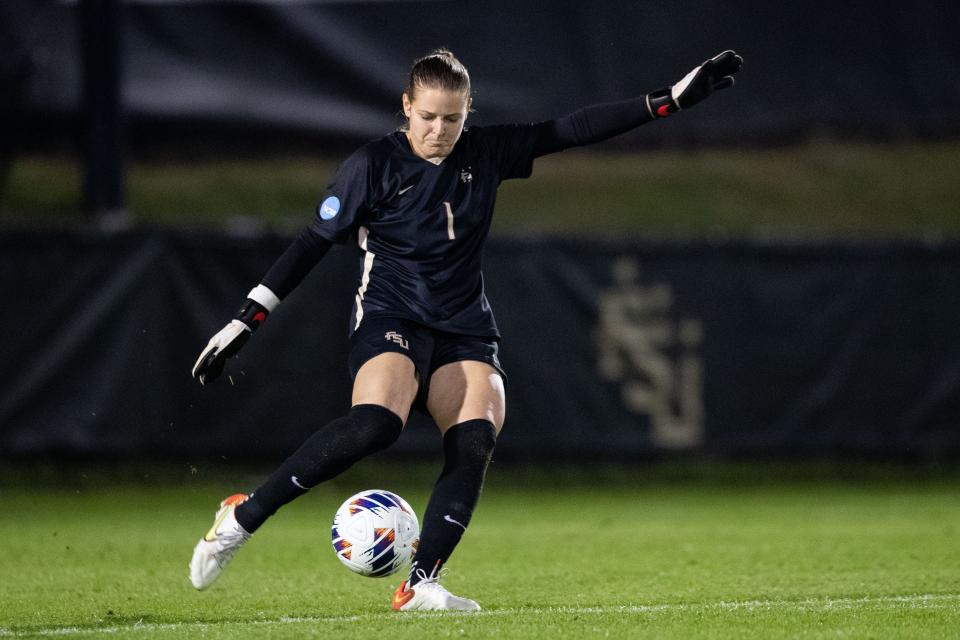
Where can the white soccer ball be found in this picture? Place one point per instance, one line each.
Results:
(375, 532)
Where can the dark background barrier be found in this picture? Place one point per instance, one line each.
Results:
(614, 350)
(336, 69)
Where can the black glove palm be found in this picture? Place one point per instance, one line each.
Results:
(713, 75)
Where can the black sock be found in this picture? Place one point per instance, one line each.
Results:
(467, 448)
(366, 429)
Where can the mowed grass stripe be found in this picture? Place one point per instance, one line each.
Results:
(817, 188)
(919, 601)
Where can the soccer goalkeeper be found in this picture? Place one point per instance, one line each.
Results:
(419, 202)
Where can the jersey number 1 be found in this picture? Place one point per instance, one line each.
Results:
(450, 233)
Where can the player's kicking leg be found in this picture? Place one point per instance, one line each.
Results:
(366, 429)
(217, 548)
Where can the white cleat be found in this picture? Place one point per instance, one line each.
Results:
(216, 549)
(430, 595)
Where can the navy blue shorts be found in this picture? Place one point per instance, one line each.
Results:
(429, 349)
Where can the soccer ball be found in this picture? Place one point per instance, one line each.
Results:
(375, 532)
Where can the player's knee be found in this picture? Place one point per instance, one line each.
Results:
(374, 427)
(471, 442)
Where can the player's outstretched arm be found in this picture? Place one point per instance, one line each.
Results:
(227, 342)
(601, 121)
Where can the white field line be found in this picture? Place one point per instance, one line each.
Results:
(924, 601)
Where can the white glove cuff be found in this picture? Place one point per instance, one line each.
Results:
(263, 296)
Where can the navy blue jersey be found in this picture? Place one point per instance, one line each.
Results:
(421, 226)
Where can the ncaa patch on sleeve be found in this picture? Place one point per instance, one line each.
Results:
(329, 208)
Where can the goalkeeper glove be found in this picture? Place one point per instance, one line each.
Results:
(228, 341)
(713, 75)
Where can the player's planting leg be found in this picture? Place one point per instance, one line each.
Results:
(467, 447)
(366, 429)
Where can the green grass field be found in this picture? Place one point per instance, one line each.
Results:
(814, 189)
(621, 556)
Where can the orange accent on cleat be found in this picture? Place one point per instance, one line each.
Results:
(401, 597)
(235, 499)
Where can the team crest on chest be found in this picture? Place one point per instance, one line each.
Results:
(466, 176)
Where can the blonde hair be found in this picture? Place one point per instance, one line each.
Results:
(439, 69)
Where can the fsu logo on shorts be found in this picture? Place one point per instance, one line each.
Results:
(393, 336)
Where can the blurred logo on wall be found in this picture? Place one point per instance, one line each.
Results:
(653, 356)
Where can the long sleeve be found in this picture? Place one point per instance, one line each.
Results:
(591, 124)
(296, 262)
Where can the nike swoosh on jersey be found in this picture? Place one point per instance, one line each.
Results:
(405, 189)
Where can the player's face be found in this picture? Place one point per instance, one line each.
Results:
(436, 120)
